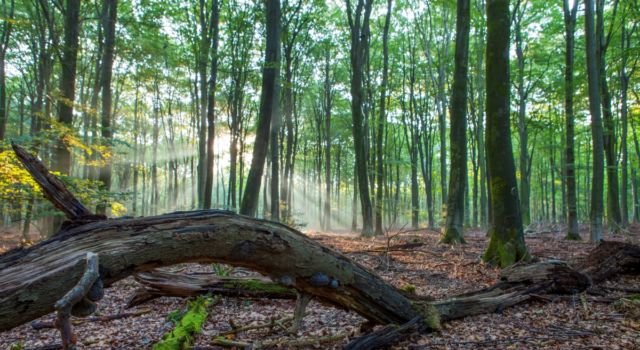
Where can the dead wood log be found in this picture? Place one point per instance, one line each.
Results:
(383, 337)
(53, 189)
(157, 283)
(33, 279)
(609, 259)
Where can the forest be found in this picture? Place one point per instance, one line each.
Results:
(357, 174)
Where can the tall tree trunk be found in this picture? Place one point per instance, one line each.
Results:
(328, 105)
(525, 186)
(136, 150)
(507, 245)
(203, 59)
(570, 14)
(109, 28)
(68, 83)
(359, 27)
(614, 219)
(625, 43)
(211, 104)
(5, 28)
(382, 120)
(274, 185)
(453, 230)
(268, 106)
(597, 184)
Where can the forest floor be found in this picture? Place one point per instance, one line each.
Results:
(579, 322)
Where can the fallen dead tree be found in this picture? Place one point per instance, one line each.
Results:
(157, 283)
(34, 279)
(66, 272)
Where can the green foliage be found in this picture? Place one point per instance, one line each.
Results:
(187, 324)
(16, 346)
(629, 306)
(409, 288)
(221, 269)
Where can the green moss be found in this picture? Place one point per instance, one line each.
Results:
(258, 286)
(573, 237)
(16, 346)
(430, 314)
(409, 288)
(452, 236)
(181, 337)
(507, 253)
(633, 297)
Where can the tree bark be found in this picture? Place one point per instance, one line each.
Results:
(382, 121)
(327, 106)
(507, 245)
(524, 163)
(570, 14)
(67, 83)
(5, 33)
(157, 283)
(358, 19)
(453, 231)
(597, 184)
(201, 67)
(109, 28)
(211, 104)
(614, 219)
(268, 105)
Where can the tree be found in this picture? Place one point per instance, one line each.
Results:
(614, 218)
(453, 230)
(358, 19)
(327, 106)
(626, 35)
(570, 14)
(109, 29)
(382, 120)
(211, 103)
(597, 182)
(523, 93)
(506, 245)
(5, 34)
(68, 82)
(268, 106)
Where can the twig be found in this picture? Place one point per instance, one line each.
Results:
(274, 323)
(220, 341)
(64, 305)
(298, 313)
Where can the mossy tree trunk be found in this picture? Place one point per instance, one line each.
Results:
(507, 238)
